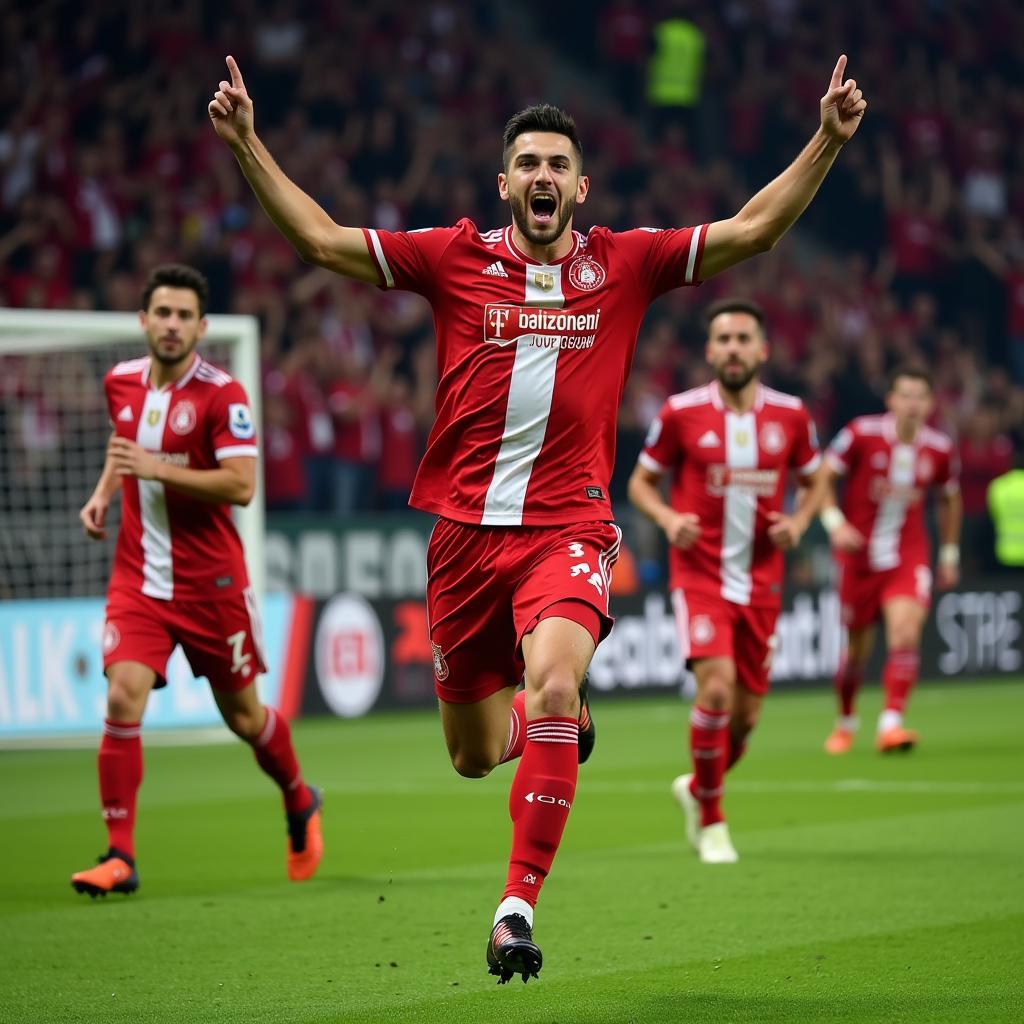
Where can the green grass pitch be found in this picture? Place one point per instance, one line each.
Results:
(869, 888)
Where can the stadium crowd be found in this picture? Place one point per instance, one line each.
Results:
(390, 116)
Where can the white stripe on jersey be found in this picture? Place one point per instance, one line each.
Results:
(691, 258)
(389, 279)
(157, 563)
(884, 544)
(739, 509)
(529, 406)
(682, 610)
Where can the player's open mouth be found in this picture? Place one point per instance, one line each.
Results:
(543, 206)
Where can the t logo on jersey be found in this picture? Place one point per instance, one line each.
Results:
(497, 317)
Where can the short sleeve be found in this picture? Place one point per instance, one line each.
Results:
(409, 259)
(805, 456)
(232, 430)
(839, 452)
(661, 451)
(663, 259)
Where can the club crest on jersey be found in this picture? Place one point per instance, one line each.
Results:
(440, 665)
(111, 637)
(183, 419)
(153, 417)
(773, 438)
(586, 274)
(543, 280)
(702, 629)
(240, 421)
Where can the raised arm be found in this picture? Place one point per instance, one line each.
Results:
(769, 215)
(315, 236)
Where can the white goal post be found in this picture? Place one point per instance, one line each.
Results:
(53, 432)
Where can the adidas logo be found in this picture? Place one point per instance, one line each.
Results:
(709, 440)
(125, 415)
(495, 270)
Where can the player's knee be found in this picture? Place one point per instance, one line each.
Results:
(471, 764)
(903, 637)
(556, 693)
(247, 725)
(125, 698)
(717, 694)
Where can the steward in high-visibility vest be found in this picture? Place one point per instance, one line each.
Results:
(676, 67)
(1006, 506)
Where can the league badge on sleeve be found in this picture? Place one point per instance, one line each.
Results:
(240, 421)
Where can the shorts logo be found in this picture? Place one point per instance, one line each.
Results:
(585, 274)
(183, 419)
(440, 665)
(702, 629)
(111, 637)
(773, 438)
(240, 421)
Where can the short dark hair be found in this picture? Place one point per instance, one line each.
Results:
(913, 372)
(541, 117)
(177, 275)
(734, 305)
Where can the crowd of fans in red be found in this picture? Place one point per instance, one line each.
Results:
(390, 115)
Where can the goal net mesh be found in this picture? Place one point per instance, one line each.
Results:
(54, 428)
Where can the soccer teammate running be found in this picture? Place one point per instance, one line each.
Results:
(183, 451)
(882, 546)
(536, 326)
(729, 447)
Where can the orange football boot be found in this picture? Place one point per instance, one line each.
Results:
(305, 840)
(114, 873)
(895, 739)
(840, 741)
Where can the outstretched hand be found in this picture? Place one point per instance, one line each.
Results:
(843, 106)
(231, 109)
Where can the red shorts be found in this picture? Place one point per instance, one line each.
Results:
(488, 587)
(712, 627)
(222, 639)
(863, 592)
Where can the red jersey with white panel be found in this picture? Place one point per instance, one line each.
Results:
(730, 469)
(171, 546)
(532, 360)
(885, 488)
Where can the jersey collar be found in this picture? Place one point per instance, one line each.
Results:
(178, 384)
(577, 241)
(718, 403)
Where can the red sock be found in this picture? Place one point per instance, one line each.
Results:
(898, 678)
(737, 748)
(847, 683)
(709, 745)
(120, 770)
(276, 756)
(516, 728)
(539, 803)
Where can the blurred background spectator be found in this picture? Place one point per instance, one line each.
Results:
(391, 115)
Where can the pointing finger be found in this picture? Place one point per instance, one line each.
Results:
(236, 75)
(837, 74)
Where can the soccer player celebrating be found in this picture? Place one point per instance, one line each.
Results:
(536, 326)
(882, 547)
(729, 447)
(183, 451)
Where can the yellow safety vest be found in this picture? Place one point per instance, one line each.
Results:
(1006, 506)
(677, 65)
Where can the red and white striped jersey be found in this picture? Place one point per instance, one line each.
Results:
(730, 469)
(532, 360)
(885, 487)
(171, 545)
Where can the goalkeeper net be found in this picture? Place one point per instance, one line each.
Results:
(54, 428)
